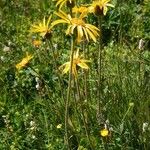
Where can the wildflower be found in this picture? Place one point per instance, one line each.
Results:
(81, 9)
(141, 44)
(59, 126)
(77, 61)
(99, 7)
(145, 126)
(42, 28)
(37, 43)
(24, 61)
(104, 132)
(6, 49)
(37, 86)
(32, 123)
(77, 25)
(2, 58)
(69, 3)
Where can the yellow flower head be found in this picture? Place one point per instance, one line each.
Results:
(36, 43)
(24, 61)
(77, 61)
(104, 132)
(69, 3)
(59, 126)
(43, 28)
(99, 7)
(77, 26)
(80, 10)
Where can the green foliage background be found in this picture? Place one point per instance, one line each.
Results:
(29, 117)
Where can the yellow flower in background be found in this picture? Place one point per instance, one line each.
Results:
(37, 43)
(81, 9)
(59, 126)
(77, 25)
(24, 61)
(43, 28)
(99, 7)
(61, 3)
(104, 132)
(77, 61)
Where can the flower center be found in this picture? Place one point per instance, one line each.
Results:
(78, 22)
(76, 61)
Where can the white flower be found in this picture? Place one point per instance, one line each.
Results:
(145, 126)
(2, 58)
(32, 123)
(6, 49)
(37, 86)
(141, 44)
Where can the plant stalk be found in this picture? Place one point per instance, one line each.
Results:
(68, 94)
(83, 116)
(100, 59)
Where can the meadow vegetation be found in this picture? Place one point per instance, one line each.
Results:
(75, 74)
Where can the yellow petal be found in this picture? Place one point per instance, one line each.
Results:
(105, 10)
(76, 54)
(86, 35)
(48, 21)
(80, 33)
(83, 65)
(110, 5)
(91, 35)
(58, 22)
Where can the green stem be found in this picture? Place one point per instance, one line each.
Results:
(46, 126)
(56, 68)
(122, 121)
(99, 68)
(85, 75)
(68, 93)
(82, 112)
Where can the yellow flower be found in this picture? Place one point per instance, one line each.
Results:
(99, 7)
(80, 9)
(77, 25)
(69, 3)
(59, 126)
(24, 61)
(36, 43)
(104, 132)
(77, 61)
(43, 28)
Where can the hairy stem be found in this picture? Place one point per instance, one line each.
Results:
(99, 69)
(68, 93)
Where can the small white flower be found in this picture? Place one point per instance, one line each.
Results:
(32, 123)
(55, 46)
(141, 44)
(2, 58)
(145, 126)
(37, 86)
(6, 49)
